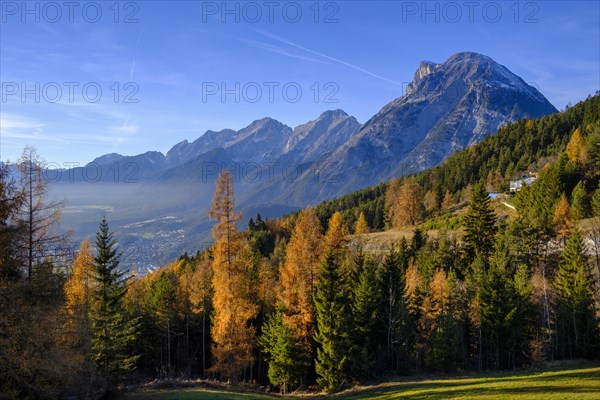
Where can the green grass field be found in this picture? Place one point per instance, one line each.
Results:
(575, 382)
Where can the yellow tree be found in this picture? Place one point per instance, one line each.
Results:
(563, 220)
(404, 203)
(413, 290)
(576, 148)
(439, 293)
(435, 302)
(233, 300)
(298, 278)
(77, 324)
(335, 238)
(267, 285)
(77, 296)
(448, 201)
(361, 225)
(336, 241)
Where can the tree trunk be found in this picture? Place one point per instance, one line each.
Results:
(169, 349)
(203, 343)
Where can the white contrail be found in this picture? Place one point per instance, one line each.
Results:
(337, 60)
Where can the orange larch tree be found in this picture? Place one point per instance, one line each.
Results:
(362, 226)
(77, 296)
(298, 278)
(234, 297)
(404, 202)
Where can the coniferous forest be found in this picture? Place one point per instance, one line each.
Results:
(300, 302)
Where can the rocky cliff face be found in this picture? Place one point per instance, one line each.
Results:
(320, 136)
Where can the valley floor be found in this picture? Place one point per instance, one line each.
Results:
(571, 381)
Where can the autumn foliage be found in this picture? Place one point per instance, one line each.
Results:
(233, 299)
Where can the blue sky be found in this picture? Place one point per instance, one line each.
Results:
(161, 66)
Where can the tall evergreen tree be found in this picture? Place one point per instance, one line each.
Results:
(332, 325)
(161, 302)
(365, 315)
(580, 206)
(577, 325)
(536, 206)
(501, 309)
(113, 332)
(480, 224)
(393, 315)
(417, 242)
(284, 353)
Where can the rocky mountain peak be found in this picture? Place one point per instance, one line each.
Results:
(447, 107)
(333, 114)
(425, 68)
(107, 159)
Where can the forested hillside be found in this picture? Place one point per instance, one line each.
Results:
(517, 148)
(296, 302)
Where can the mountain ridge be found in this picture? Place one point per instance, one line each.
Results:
(447, 107)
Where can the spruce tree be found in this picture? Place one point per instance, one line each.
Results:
(332, 325)
(502, 310)
(161, 302)
(284, 353)
(365, 315)
(113, 332)
(394, 319)
(480, 225)
(577, 327)
(579, 202)
(417, 242)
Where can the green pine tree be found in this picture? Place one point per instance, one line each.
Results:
(536, 207)
(332, 333)
(161, 302)
(579, 204)
(577, 326)
(365, 314)
(480, 225)
(395, 325)
(113, 332)
(286, 357)
(417, 242)
(445, 344)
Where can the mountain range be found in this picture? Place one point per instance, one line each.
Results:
(446, 107)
